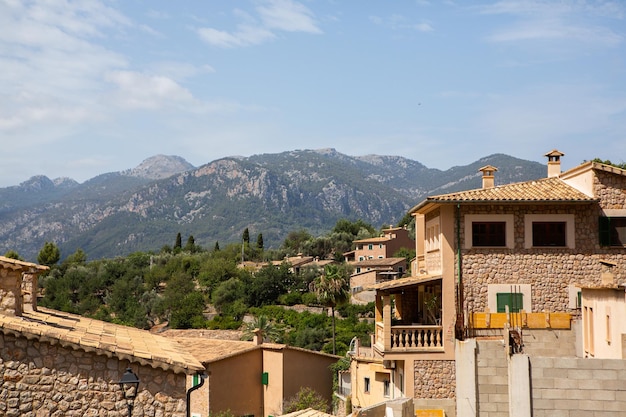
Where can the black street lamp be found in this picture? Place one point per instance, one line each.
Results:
(130, 387)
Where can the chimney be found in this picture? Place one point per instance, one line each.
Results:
(18, 286)
(257, 339)
(554, 163)
(488, 177)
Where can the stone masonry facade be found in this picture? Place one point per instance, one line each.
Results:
(548, 270)
(434, 379)
(41, 379)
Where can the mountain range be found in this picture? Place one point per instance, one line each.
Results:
(145, 207)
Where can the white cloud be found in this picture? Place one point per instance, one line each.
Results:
(273, 15)
(140, 91)
(245, 35)
(400, 22)
(289, 16)
(564, 20)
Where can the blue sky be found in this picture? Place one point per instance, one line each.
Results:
(88, 87)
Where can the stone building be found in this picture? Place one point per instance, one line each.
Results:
(60, 364)
(499, 269)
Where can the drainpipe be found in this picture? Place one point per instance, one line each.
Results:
(190, 390)
(459, 308)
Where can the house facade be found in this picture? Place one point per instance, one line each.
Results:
(384, 246)
(255, 378)
(59, 364)
(504, 263)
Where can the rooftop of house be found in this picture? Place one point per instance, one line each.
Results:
(90, 335)
(546, 190)
(17, 265)
(380, 262)
(552, 189)
(308, 412)
(212, 350)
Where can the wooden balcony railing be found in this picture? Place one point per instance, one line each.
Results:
(411, 338)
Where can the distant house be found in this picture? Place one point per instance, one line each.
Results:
(372, 271)
(502, 268)
(380, 247)
(59, 364)
(255, 378)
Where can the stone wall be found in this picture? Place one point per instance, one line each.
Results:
(434, 379)
(548, 270)
(610, 189)
(40, 379)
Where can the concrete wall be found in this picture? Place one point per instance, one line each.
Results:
(559, 386)
(574, 387)
(235, 384)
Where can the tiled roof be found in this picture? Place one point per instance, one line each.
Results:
(10, 263)
(103, 338)
(547, 190)
(209, 350)
(403, 282)
(309, 412)
(379, 262)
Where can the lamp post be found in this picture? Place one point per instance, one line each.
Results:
(130, 386)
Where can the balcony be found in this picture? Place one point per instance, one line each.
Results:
(410, 338)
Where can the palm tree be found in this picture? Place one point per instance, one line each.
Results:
(265, 328)
(332, 289)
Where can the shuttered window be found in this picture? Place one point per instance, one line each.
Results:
(515, 301)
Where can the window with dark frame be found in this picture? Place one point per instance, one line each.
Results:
(612, 231)
(549, 234)
(386, 387)
(366, 383)
(488, 233)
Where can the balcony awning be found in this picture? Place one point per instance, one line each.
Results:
(403, 283)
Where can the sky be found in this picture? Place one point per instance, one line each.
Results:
(95, 86)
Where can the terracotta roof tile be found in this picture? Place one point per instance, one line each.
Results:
(547, 190)
(105, 338)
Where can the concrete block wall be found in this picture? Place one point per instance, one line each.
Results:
(492, 374)
(576, 387)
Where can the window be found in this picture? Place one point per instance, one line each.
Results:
(370, 246)
(516, 296)
(489, 230)
(366, 385)
(608, 325)
(432, 235)
(386, 387)
(515, 301)
(612, 231)
(549, 230)
(549, 233)
(488, 233)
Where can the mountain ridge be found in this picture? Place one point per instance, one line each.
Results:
(121, 212)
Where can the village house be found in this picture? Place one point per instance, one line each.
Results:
(386, 245)
(60, 364)
(495, 289)
(255, 378)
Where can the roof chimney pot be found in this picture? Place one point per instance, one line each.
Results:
(554, 163)
(488, 176)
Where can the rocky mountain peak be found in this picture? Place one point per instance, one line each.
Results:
(160, 166)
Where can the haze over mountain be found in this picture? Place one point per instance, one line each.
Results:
(145, 207)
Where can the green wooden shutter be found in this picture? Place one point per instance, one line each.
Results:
(265, 378)
(604, 224)
(513, 300)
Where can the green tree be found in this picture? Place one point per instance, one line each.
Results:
(13, 255)
(295, 240)
(332, 289)
(268, 284)
(306, 397)
(217, 246)
(179, 241)
(79, 258)
(259, 242)
(49, 254)
(190, 246)
(246, 236)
